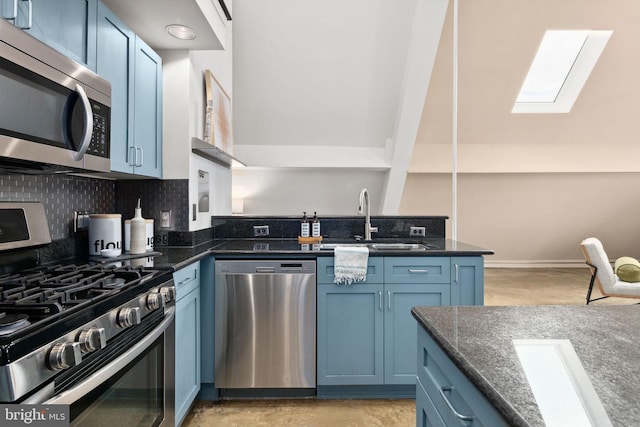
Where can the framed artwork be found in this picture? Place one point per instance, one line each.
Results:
(217, 127)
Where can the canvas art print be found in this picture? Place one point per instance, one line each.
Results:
(217, 129)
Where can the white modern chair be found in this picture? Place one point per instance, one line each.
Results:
(602, 273)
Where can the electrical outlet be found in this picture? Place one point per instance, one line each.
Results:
(417, 231)
(165, 219)
(80, 221)
(261, 230)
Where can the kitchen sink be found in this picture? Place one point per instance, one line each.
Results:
(331, 246)
(376, 246)
(398, 246)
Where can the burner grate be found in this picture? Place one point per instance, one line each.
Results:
(44, 292)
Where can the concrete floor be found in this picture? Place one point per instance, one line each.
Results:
(515, 286)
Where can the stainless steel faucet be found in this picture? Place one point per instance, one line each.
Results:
(364, 208)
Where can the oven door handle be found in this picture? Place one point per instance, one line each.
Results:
(71, 395)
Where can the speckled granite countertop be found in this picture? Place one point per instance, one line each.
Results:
(178, 257)
(435, 247)
(479, 341)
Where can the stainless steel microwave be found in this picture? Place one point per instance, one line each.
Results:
(54, 113)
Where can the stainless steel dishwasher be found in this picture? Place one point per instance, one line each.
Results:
(265, 324)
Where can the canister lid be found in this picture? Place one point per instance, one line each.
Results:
(118, 216)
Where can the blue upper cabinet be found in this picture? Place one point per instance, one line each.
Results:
(135, 73)
(147, 110)
(115, 62)
(68, 26)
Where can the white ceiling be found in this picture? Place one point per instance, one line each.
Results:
(149, 18)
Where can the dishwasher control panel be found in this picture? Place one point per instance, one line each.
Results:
(266, 267)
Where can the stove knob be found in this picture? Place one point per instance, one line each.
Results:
(92, 339)
(64, 355)
(129, 316)
(169, 293)
(155, 301)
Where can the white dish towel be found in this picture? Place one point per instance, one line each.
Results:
(350, 264)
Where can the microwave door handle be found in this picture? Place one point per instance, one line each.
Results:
(88, 124)
(14, 14)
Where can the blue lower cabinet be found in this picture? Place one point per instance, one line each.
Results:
(350, 334)
(187, 357)
(366, 333)
(426, 413)
(467, 280)
(445, 394)
(400, 328)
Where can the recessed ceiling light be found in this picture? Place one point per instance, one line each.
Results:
(181, 32)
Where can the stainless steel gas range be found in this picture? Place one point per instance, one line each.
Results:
(99, 338)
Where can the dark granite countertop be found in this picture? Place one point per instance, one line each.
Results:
(479, 341)
(435, 247)
(178, 257)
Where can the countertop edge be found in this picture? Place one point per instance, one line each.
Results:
(510, 414)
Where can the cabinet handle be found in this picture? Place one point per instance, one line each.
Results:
(456, 269)
(29, 17)
(132, 156)
(138, 164)
(380, 300)
(465, 418)
(389, 300)
(12, 16)
(418, 271)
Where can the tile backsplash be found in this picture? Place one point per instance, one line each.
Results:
(60, 195)
(63, 194)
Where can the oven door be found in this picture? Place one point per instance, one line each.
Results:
(136, 389)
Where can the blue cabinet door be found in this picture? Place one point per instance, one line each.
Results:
(467, 280)
(69, 26)
(147, 111)
(426, 413)
(187, 355)
(187, 352)
(350, 334)
(115, 63)
(135, 73)
(400, 328)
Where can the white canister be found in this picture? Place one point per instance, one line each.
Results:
(127, 234)
(105, 232)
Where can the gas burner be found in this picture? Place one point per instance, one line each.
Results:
(113, 282)
(10, 323)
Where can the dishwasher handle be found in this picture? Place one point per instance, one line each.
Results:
(265, 269)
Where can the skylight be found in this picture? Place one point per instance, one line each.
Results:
(559, 70)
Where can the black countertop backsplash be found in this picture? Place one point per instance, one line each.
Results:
(332, 227)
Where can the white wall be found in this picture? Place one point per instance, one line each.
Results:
(183, 118)
(532, 219)
(291, 192)
(316, 92)
(532, 186)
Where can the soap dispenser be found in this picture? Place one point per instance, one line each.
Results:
(315, 225)
(304, 226)
(138, 226)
